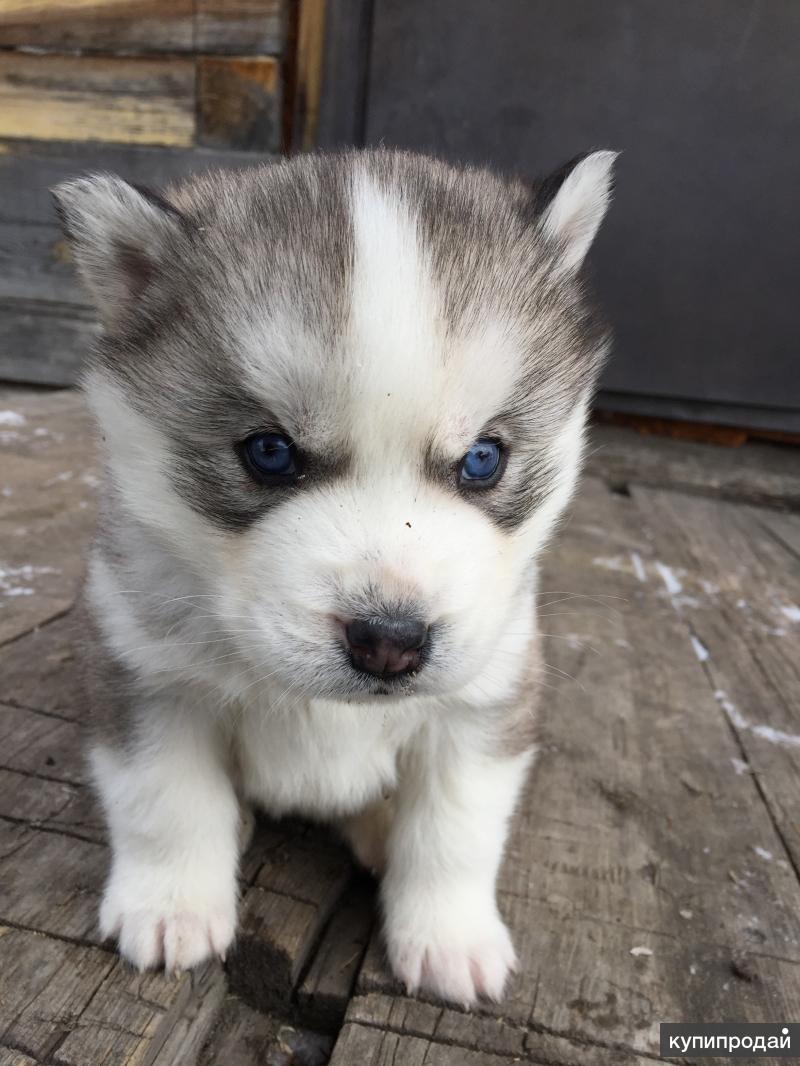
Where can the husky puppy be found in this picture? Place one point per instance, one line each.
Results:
(342, 401)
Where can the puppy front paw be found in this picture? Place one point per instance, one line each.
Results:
(167, 923)
(458, 953)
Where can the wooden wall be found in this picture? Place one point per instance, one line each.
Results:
(149, 89)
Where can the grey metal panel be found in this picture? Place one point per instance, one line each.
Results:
(348, 37)
(698, 264)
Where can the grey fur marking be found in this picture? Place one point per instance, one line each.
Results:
(281, 237)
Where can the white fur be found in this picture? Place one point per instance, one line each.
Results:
(235, 701)
(173, 816)
(573, 218)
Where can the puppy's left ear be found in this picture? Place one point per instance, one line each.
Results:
(578, 195)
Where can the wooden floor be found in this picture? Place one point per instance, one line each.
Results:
(653, 870)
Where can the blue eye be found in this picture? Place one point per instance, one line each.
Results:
(481, 467)
(271, 455)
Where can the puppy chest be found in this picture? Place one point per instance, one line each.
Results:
(316, 763)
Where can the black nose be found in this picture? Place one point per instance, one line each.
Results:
(386, 647)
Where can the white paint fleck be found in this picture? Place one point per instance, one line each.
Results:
(65, 475)
(11, 418)
(686, 914)
(638, 566)
(609, 562)
(10, 579)
(700, 650)
(709, 587)
(777, 736)
(91, 480)
(40, 431)
(693, 969)
(740, 766)
(763, 853)
(671, 582)
(743, 605)
(792, 612)
(732, 712)
(766, 732)
(622, 643)
(639, 950)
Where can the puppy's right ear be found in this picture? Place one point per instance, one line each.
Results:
(119, 236)
(575, 201)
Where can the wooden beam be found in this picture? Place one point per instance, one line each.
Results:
(256, 27)
(83, 98)
(144, 26)
(238, 102)
(308, 84)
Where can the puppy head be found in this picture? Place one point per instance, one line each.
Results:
(349, 393)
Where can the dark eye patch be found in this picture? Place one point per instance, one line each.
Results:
(509, 479)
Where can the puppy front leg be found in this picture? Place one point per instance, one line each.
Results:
(173, 816)
(443, 929)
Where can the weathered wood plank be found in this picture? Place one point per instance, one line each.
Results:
(134, 1018)
(760, 473)
(46, 326)
(256, 27)
(36, 264)
(325, 991)
(785, 528)
(98, 25)
(238, 102)
(57, 806)
(278, 934)
(9, 1057)
(311, 869)
(51, 882)
(87, 98)
(740, 601)
(43, 343)
(302, 875)
(376, 1047)
(142, 26)
(55, 685)
(44, 986)
(632, 882)
(40, 744)
(246, 1037)
(474, 1032)
(72, 1005)
(47, 473)
(29, 169)
(273, 944)
(39, 579)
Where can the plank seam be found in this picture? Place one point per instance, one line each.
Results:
(779, 539)
(524, 1029)
(40, 827)
(39, 625)
(62, 938)
(754, 777)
